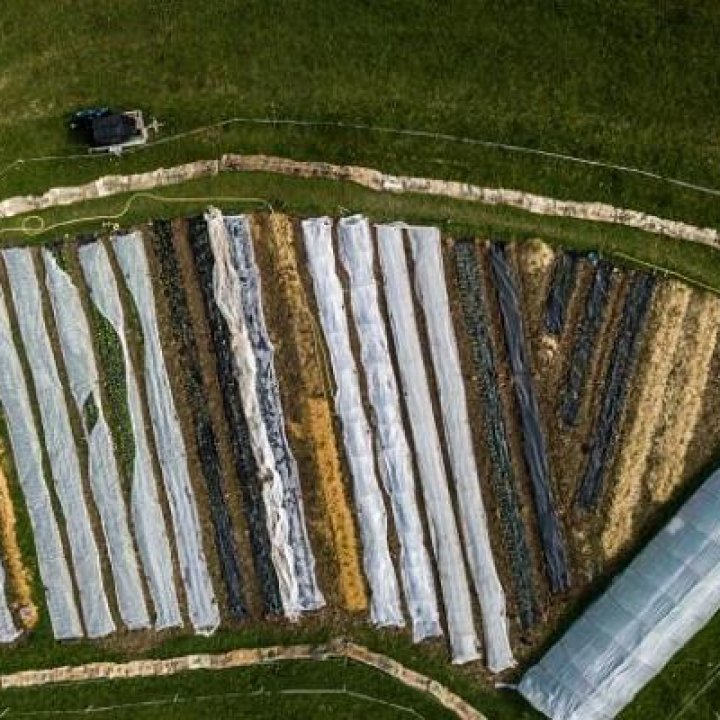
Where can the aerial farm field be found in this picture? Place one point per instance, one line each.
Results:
(356, 450)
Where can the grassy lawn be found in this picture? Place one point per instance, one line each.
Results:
(630, 83)
(292, 690)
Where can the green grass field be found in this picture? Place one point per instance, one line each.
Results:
(631, 83)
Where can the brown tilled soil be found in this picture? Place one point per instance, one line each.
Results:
(688, 434)
(514, 434)
(643, 411)
(208, 366)
(177, 373)
(306, 392)
(479, 436)
(18, 575)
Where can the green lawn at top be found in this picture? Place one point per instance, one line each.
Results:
(631, 82)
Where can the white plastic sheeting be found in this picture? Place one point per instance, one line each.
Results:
(59, 441)
(385, 597)
(27, 453)
(394, 456)
(666, 595)
(268, 391)
(438, 503)
(202, 605)
(8, 631)
(76, 346)
(145, 509)
(228, 297)
(431, 291)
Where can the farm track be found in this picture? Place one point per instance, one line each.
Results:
(683, 403)
(644, 410)
(207, 461)
(244, 460)
(301, 350)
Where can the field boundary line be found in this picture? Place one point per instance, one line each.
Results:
(384, 130)
(337, 649)
(369, 178)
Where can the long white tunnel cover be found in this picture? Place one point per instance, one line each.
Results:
(394, 456)
(146, 512)
(385, 607)
(59, 440)
(202, 605)
(227, 292)
(268, 392)
(438, 503)
(76, 345)
(432, 293)
(625, 638)
(54, 571)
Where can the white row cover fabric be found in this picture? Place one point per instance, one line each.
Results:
(385, 609)
(665, 596)
(228, 297)
(438, 503)
(393, 452)
(59, 441)
(54, 571)
(202, 605)
(77, 350)
(268, 391)
(145, 509)
(431, 291)
(8, 631)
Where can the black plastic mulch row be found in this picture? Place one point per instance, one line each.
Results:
(204, 433)
(534, 443)
(561, 287)
(615, 387)
(502, 476)
(585, 342)
(244, 461)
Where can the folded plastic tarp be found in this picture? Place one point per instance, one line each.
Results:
(228, 298)
(432, 294)
(665, 596)
(202, 605)
(438, 503)
(59, 441)
(385, 607)
(534, 441)
(146, 512)
(76, 346)
(392, 448)
(268, 392)
(54, 571)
